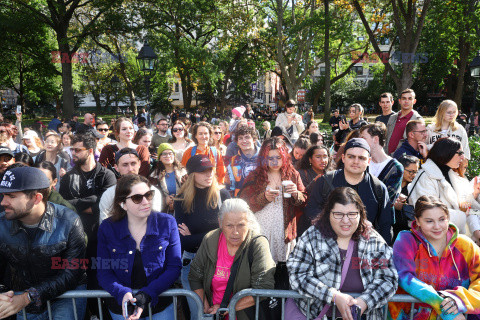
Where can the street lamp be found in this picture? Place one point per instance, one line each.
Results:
(115, 82)
(147, 63)
(475, 73)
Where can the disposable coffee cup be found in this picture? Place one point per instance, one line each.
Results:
(285, 184)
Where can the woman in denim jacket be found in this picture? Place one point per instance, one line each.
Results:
(138, 249)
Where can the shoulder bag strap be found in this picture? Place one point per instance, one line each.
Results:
(231, 279)
(345, 267)
(408, 196)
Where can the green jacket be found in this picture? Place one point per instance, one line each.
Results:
(260, 276)
(56, 198)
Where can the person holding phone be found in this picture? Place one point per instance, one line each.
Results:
(339, 253)
(143, 248)
(290, 121)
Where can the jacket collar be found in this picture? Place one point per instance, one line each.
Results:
(45, 224)
(212, 239)
(123, 231)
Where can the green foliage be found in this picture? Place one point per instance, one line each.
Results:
(474, 165)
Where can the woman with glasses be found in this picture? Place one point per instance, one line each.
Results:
(340, 254)
(167, 175)
(202, 136)
(218, 140)
(145, 245)
(410, 165)
(102, 128)
(196, 209)
(275, 193)
(180, 141)
(124, 133)
(437, 178)
(445, 125)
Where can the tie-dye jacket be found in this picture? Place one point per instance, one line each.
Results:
(427, 277)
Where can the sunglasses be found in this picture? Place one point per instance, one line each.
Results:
(177, 129)
(137, 198)
(104, 130)
(77, 150)
(460, 153)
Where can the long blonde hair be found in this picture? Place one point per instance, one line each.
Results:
(442, 109)
(187, 194)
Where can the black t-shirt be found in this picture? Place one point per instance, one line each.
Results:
(383, 118)
(87, 182)
(335, 120)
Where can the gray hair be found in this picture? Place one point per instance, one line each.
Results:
(239, 206)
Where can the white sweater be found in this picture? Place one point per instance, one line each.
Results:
(433, 183)
(460, 134)
(298, 128)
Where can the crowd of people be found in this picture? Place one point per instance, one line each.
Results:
(142, 205)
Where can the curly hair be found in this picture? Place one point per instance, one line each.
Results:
(195, 129)
(274, 143)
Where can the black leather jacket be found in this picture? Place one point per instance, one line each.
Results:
(41, 265)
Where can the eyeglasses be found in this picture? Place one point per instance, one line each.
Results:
(349, 215)
(137, 198)
(177, 129)
(411, 171)
(167, 154)
(77, 150)
(421, 131)
(104, 130)
(460, 153)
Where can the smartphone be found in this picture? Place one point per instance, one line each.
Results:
(356, 312)
(128, 309)
(19, 109)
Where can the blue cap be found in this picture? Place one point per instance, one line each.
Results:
(23, 178)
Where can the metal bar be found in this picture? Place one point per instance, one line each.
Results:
(24, 312)
(100, 310)
(412, 309)
(309, 302)
(175, 308)
(75, 316)
(257, 306)
(283, 308)
(49, 309)
(385, 312)
(150, 311)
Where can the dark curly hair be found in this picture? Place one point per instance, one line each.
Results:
(343, 196)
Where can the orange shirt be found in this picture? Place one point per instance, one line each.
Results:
(220, 166)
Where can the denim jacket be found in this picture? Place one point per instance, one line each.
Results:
(161, 256)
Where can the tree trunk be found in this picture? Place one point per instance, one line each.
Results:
(464, 51)
(128, 83)
(67, 78)
(326, 110)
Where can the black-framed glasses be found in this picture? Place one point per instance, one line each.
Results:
(460, 153)
(137, 198)
(411, 171)
(177, 129)
(104, 129)
(349, 215)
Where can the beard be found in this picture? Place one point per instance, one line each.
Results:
(79, 162)
(16, 214)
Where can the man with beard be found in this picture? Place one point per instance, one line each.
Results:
(38, 240)
(6, 159)
(83, 186)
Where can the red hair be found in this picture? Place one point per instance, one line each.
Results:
(287, 168)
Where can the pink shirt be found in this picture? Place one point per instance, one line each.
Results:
(222, 271)
(398, 131)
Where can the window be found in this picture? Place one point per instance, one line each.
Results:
(358, 70)
(177, 87)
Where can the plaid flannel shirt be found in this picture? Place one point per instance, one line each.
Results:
(315, 270)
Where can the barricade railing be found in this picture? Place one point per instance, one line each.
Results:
(285, 294)
(99, 294)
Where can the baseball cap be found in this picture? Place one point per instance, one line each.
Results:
(23, 178)
(30, 134)
(6, 150)
(199, 163)
(357, 143)
(125, 151)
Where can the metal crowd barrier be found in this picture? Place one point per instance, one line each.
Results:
(285, 294)
(98, 294)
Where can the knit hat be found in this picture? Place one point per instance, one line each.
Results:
(164, 146)
(238, 111)
(357, 143)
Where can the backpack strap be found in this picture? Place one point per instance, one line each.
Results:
(250, 250)
(193, 151)
(328, 185)
(386, 169)
(379, 194)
